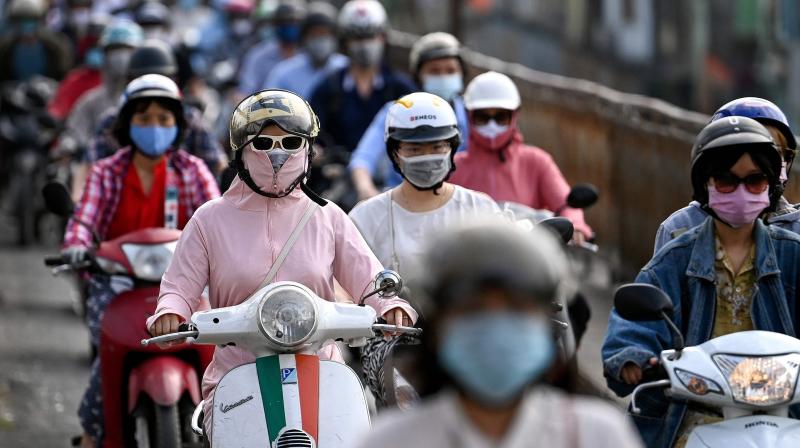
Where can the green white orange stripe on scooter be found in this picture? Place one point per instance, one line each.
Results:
(289, 387)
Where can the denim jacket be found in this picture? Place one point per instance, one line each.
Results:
(684, 269)
(787, 217)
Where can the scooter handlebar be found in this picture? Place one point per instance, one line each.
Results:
(54, 260)
(172, 337)
(397, 329)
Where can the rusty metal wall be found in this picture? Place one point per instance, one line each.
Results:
(635, 149)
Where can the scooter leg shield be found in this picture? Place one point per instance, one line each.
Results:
(164, 379)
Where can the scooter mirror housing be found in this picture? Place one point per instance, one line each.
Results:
(562, 227)
(642, 302)
(57, 199)
(583, 196)
(388, 283)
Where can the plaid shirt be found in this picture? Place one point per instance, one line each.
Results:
(103, 189)
(198, 140)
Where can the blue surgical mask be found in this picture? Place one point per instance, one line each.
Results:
(188, 5)
(153, 141)
(28, 26)
(94, 58)
(493, 356)
(289, 34)
(445, 86)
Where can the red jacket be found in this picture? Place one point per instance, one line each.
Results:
(517, 173)
(77, 82)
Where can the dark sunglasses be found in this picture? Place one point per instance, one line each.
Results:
(728, 182)
(285, 142)
(502, 117)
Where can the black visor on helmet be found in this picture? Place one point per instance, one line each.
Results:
(423, 134)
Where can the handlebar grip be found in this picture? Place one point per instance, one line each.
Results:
(54, 260)
(653, 373)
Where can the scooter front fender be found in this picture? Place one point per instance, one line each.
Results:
(164, 379)
(752, 431)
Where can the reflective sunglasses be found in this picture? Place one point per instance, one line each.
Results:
(289, 143)
(501, 117)
(728, 182)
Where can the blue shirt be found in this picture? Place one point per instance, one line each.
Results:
(257, 64)
(684, 269)
(371, 150)
(343, 114)
(299, 75)
(787, 217)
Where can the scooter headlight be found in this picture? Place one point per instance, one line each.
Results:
(287, 315)
(760, 381)
(149, 261)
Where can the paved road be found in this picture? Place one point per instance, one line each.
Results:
(43, 354)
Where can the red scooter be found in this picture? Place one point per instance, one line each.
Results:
(149, 393)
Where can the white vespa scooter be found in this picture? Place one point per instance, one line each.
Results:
(751, 376)
(289, 397)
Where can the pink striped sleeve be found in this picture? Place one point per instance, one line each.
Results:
(88, 210)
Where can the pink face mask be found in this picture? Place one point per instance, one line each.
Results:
(738, 208)
(263, 173)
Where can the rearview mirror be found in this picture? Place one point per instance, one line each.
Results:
(561, 226)
(57, 199)
(642, 302)
(388, 283)
(583, 196)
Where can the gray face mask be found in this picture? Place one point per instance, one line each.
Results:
(320, 48)
(115, 63)
(366, 53)
(278, 157)
(425, 171)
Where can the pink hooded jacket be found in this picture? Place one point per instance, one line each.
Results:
(515, 172)
(230, 243)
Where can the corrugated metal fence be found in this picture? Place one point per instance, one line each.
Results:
(635, 149)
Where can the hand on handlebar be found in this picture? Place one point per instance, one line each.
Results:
(632, 374)
(396, 316)
(75, 254)
(166, 324)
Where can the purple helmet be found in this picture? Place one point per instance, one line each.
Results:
(761, 110)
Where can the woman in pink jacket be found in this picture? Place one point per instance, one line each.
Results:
(231, 243)
(498, 163)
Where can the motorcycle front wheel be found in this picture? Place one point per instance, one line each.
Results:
(157, 426)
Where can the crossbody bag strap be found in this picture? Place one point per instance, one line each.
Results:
(273, 271)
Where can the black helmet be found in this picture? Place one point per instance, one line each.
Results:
(152, 13)
(289, 11)
(739, 134)
(154, 56)
(320, 14)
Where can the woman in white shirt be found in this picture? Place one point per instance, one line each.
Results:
(421, 138)
(488, 342)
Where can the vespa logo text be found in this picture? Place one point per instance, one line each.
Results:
(225, 408)
(760, 423)
(422, 117)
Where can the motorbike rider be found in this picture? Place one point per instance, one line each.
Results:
(117, 42)
(421, 137)
(348, 99)
(319, 58)
(773, 118)
(150, 182)
(155, 57)
(436, 63)
(259, 61)
(487, 346)
(731, 273)
(29, 48)
(154, 18)
(498, 162)
(84, 77)
(232, 242)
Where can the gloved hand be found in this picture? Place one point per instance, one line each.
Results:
(75, 254)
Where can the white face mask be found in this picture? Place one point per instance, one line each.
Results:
(445, 86)
(425, 171)
(491, 129)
